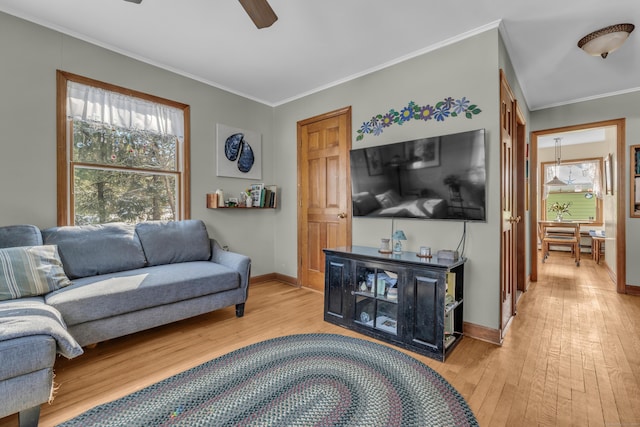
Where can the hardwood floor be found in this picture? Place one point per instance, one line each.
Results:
(571, 356)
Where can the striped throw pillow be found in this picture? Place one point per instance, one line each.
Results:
(30, 270)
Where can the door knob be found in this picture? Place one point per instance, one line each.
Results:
(516, 219)
(342, 215)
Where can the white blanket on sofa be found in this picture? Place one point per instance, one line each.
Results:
(26, 318)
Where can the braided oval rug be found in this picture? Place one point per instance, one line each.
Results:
(297, 380)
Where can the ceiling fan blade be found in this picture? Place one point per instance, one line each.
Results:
(134, 1)
(260, 12)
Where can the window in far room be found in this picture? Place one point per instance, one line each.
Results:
(581, 189)
(122, 155)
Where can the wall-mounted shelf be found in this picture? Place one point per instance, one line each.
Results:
(269, 200)
(237, 207)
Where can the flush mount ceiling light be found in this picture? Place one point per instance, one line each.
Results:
(605, 40)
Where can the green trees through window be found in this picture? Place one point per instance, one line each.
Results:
(122, 174)
(580, 188)
(125, 154)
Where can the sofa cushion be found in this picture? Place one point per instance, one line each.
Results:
(93, 298)
(168, 242)
(89, 250)
(30, 270)
(20, 235)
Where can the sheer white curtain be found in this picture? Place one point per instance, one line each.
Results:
(589, 177)
(113, 108)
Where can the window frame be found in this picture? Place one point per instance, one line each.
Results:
(544, 214)
(64, 178)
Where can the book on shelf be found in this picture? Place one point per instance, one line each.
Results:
(448, 340)
(448, 324)
(256, 193)
(270, 196)
(264, 196)
(451, 285)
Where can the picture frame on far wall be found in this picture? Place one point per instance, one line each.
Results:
(608, 177)
(634, 196)
(238, 152)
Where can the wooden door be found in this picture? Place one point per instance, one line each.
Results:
(508, 247)
(324, 192)
(521, 198)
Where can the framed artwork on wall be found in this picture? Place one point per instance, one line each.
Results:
(608, 177)
(634, 188)
(238, 153)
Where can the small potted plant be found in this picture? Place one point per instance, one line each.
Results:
(560, 209)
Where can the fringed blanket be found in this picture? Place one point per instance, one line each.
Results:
(20, 318)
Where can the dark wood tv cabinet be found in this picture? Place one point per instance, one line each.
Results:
(412, 302)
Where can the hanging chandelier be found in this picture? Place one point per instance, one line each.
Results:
(558, 153)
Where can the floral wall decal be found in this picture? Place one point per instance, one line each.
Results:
(444, 109)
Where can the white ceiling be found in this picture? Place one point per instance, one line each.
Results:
(583, 136)
(317, 44)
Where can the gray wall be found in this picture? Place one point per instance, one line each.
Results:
(30, 55)
(469, 68)
(425, 79)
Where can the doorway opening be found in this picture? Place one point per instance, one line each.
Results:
(600, 140)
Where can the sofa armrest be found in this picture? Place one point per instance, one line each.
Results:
(235, 261)
(26, 376)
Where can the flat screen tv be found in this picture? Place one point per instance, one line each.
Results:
(440, 178)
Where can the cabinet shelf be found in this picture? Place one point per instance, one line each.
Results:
(357, 283)
(451, 306)
(449, 339)
(378, 297)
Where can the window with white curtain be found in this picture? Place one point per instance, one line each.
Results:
(122, 155)
(581, 189)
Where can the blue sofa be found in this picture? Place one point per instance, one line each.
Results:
(118, 279)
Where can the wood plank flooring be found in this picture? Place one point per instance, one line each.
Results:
(571, 356)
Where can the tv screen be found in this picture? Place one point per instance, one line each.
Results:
(441, 177)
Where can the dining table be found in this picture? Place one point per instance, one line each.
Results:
(560, 233)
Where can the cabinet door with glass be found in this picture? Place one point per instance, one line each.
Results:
(376, 297)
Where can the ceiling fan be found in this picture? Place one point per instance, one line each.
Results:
(258, 10)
